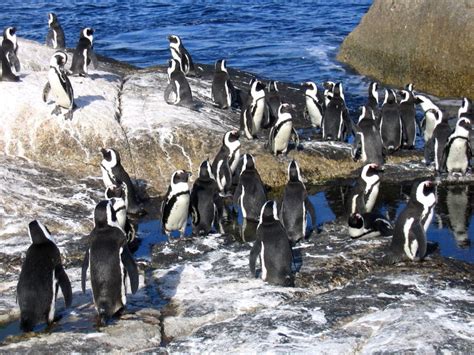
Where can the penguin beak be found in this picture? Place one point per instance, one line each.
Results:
(103, 151)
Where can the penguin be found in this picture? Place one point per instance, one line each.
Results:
(110, 262)
(226, 161)
(295, 205)
(428, 122)
(328, 92)
(250, 194)
(84, 53)
(55, 37)
(408, 116)
(118, 196)
(363, 196)
(409, 233)
(255, 115)
(222, 91)
(390, 123)
(438, 141)
(114, 173)
(10, 62)
(41, 275)
(457, 152)
(205, 203)
(59, 83)
(179, 53)
(178, 91)
(314, 107)
(369, 225)
(336, 120)
(282, 131)
(459, 213)
(273, 100)
(175, 206)
(466, 109)
(367, 145)
(273, 248)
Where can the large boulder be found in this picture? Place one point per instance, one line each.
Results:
(425, 42)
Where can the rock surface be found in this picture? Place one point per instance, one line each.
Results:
(428, 43)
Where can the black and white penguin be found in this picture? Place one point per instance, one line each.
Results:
(409, 234)
(114, 173)
(336, 122)
(59, 84)
(255, 115)
(117, 194)
(250, 194)
(328, 93)
(273, 248)
(295, 205)
(369, 225)
(10, 62)
(466, 109)
(438, 141)
(55, 37)
(313, 107)
(84, 53)
(273, 101)
(281, 133)
(179, 53)
(178, 91)
(390, 123)
(175, 206)
(363, 196)
(428, 122)
(226, 161)
(222, 91)
(41, 275)
(408, 116)
(110, 262)
(367, 145)
(457, 153)
(373, 97)
(205, 203)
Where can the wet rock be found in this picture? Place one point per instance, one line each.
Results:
(424, 42)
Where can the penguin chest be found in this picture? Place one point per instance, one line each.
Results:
(178, 213)
(107, 176)
(257, 116)
(262, 261)
(282, 136)
(429, 126)
(58, 89)
(457, 159)
(371, 197)
(314, 113)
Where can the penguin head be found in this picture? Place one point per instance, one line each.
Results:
(174, 40)
(404, 95)
(104, 214)
(463, 126)
(257, 89)
(52, 19)
(117, 190)
(180, 177)
(356, 221)
(284, 110)
(438, 115)
(337, 90)
(366, 112)
(269, 212)
(39, 233)
(221, 66)
(118, 204)
(10, 34)
(205, 171)
(373, 87)
(465, 107)
(370, 174)
(294, 173)
(248, 162)
(111, 157)
(273, 86)
(310, 89)
(329, 85)
(390, 97)
(88, 33)
(58, 60)
(425, 193)
(231, 140)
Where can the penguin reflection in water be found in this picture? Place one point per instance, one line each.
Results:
(110, 262)
(41, 275)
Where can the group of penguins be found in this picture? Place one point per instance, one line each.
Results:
(380, 130)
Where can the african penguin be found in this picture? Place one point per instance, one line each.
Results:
(295, 205)
(273, 248)
(336, 120)
(41, 275)
(178, 91)
(328, 92)
(175, 206)
(281, 133)
(222, 91)
(179, 53)
(226, 161)
(250, 194)
(55, 37)
(409, 233)
(367, 145)
(369, 225)
(408, 116)
(10, 62)
(110, 262)
(255, 115)
(428, 122)
(390, 123)
(59, 84)
(313, 107)
(84, 53)
(438, 140)
(117, 194)
(457, 153)
(273, 101)
(363, 196)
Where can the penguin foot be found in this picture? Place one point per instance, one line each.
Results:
(56, 111)
(68, 115)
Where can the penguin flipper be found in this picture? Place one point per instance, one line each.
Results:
(296, 137)
(312, 213)
(257, 246)
(417, 232)
(13, 59)
(64, 283)
(356, 147)
(93, 59)
(237, 193)
(170, 96)
(85, 265)
(383, 226)
(266, 116)
(46, 90)
(131, 267)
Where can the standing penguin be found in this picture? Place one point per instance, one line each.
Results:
(222, 91)
(175, 206)
(114, 173)
(282, 131)
(336, 120)
(409, 234)
(84, 53)
(205, 203)
(295, 205)
(328, 93)
(390, 123)
(363, 196)
(226, 161)
(178, 91)
(428, 122)
(59, 83)
(369, 225)
(55, 37)
(438, 141)
(110, 262)
(273, 101)
(41, 275)
(118, 196)
(457, 153)
(255, 115)
(250, 194)
(273, 248)
(179, 53)
(314, 107)
(367, 145)
(10, 62)
(408, 116)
